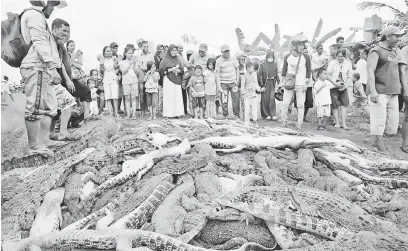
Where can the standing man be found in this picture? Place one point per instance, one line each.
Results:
(201, 57)
(39, 72)
(115, 47)
(404, 81)
(384, 86)
(144, 57)
(227, 75)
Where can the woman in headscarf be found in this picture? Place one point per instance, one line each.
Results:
(268, 77)
(172, 72)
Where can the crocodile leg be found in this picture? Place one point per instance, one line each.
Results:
(283, 236)
(232, 243)
(124, 244)
(105, 221)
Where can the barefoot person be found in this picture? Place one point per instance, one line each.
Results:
(384, 86)
(39, 71)
(60, 30)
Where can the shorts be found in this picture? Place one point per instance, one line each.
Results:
(339, 98)
(131, 89)
(152, 99)
(198, 102)
(40, 94)
(323, 111)
(64, 99)
(210, 98)
(82, 91)
(384, 115)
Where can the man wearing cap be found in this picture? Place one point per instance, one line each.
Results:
(39, 72)
(115, 48)
(227, 75)
(142, 58)
(201, 57)
(384, 86)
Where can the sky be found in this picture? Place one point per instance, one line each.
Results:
(96, 23)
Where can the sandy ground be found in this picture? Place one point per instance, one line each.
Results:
(13, 135)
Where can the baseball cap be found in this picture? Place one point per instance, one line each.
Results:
(203, 47)
(225, 47)
(140, 40)
(62, 3)
(299, 38)
(391, 30)
(130, 46)
(113, 44)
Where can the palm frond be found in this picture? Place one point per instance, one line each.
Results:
(376, 5)
(351, 37)
(317, 31)
(328, 35)
(276, 38)
(240, 37)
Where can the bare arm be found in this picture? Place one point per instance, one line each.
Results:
(403, 78)
(372, 61)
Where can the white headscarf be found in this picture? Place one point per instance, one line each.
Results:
(42, 3)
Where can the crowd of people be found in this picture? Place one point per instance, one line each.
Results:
(370, 78)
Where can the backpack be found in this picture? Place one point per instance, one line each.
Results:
(13, 47)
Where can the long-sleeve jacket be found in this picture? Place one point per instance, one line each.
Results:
(34, 29)
(308, 65)
(263, 73)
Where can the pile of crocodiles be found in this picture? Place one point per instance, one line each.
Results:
(203, 185)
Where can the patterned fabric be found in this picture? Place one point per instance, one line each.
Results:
(64, 99)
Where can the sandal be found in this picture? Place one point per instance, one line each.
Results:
(58, 137)
(404, 149)
(44, 152)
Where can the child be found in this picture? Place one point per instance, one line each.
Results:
(358, 91)
(186, 77)
(152, 78)
(249, 89)
(130, 70)
(210, 88)
(196, 83)
(94, 110)
(322, 97)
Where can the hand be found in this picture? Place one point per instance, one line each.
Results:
(263, 89)
(307, 81)
(374, 97)
(55, 77)
(405, 96)
(101, 60)
(70, 86)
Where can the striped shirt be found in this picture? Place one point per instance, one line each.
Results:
(227, 68)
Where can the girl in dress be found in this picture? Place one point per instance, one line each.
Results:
(130, 71)
(152, 78)
(109, 68)
(211, 88)
(172, 72)
(76, 61)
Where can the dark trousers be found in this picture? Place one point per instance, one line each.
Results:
(142, 96)
(184, 94)
(233, 89)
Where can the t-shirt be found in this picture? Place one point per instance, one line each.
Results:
(196, 59)
(130, 77)
(403, 55)
(323, 96)
(227, 68)
(387, 72)
(210, 86)
(292, 62)
(361, 68)
(197, 83)
(250, 85)
(142, 59)
(358, 90)
(318, 60)
(152, 82)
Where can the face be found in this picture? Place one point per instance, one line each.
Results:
(115, 50)
(300, 47)
(241, 61)
(161, 49)
(94, 75)
(270, 59)
(49, 8)
(71, 47)
(153, 67)
(61, 33)
(129, 54)
(320, 50)
(226, 54)
(340, 57)
(173, 53)
(251, 69)
(180, 49)
(197, 72)
(202, 53)
(341, 41)
(323, 75)
(108, 53)
(166, 49)
(211, 66)
(394, 40)
(145, 47)
(332, 51)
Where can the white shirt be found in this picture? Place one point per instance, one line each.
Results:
(361, 68)
(301, 73)
(323, 96)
